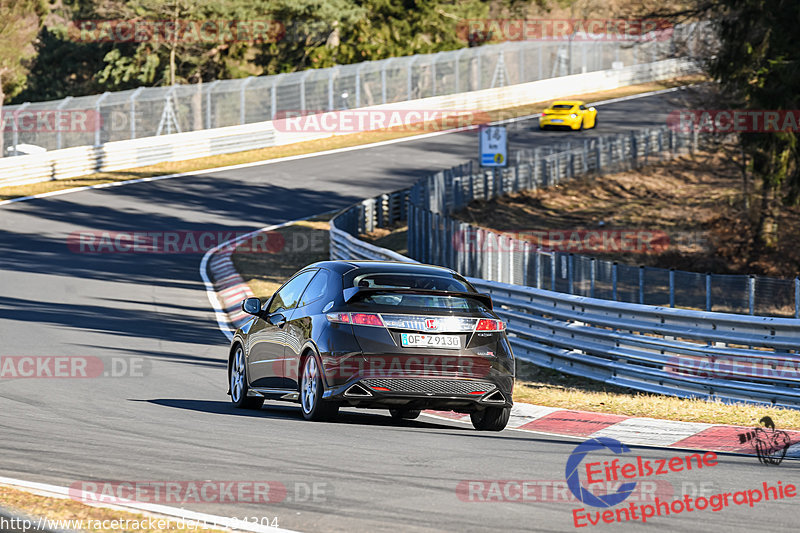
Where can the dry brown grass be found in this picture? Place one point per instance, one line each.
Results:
(341, 141)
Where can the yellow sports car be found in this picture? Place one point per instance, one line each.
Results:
(571, 114)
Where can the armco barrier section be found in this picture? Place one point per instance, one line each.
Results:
(119, 155)
(655, 349)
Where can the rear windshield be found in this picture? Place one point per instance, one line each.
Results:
(422, 302)
(562, 106)
(405, 280)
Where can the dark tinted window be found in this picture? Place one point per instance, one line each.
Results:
(288, 296)
(583, 107)
(317, 288)
(562, 106)
(405, 280)
(424, 301)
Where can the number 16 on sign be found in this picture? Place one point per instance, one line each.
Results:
(493, 146)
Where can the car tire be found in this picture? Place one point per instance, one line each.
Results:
(238, 383)
(311, 403)
(491, 418)
(405, 414)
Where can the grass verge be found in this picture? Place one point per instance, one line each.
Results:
(63, 510)
(265, 273)
(340, 141)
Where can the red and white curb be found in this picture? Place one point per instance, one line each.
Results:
(634, 431)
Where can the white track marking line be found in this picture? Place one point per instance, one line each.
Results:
(315, 154)
(45, 489)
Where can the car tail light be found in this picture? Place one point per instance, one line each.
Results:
(487, 324)
(342, 318)
(357, 319)
(366, 319)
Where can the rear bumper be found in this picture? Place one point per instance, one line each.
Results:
(571, 123)
(463, 395)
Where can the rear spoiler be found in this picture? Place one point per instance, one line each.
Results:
(353, 293)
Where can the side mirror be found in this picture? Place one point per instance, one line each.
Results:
(252, 306)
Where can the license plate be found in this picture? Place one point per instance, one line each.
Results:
(557, 120)
(418, 340)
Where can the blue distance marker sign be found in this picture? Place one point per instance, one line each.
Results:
(493, 146)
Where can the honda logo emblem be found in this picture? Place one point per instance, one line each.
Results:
(430, 323)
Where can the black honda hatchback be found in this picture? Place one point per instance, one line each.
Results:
(373, 334)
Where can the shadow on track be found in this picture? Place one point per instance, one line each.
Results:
(292, 412)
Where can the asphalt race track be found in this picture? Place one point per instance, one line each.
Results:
(174, 421)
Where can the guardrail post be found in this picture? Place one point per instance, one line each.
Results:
(553, 268)
(641, 284)
(672, 287)
(592, 275)
(614, 281)
(751, 292)
(708, 291)
(797, 297)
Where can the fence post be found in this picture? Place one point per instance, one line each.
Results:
(97, 129)
(751, 292)
(526, 258)
(538, 268)
(614, 281)
(641, 284)
(708, 291)
(592, 275)
(243, 100)
(571, 273)
(797, 297)
(66, 100)
(672, 287)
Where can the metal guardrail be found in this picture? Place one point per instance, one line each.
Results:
(649, 348)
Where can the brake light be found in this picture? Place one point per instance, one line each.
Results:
(487, 324)
(342, 318)
(366, 319)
